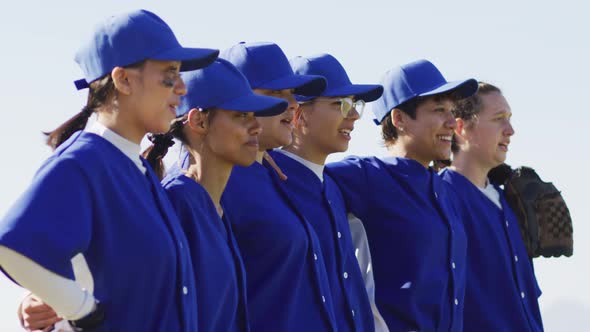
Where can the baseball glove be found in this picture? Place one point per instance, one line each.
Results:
(545, 221)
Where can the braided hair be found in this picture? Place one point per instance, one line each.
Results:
(162, 142)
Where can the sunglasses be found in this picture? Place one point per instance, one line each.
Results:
(347, 104)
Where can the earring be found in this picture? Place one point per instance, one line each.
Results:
(401, 129)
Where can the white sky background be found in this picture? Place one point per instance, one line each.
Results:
(536, 51)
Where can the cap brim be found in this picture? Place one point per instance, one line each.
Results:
(260, 105)
(191, 58)
(365, 92)
(466, 88)
(305, 85)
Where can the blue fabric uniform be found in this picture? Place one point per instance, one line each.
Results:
(219, 273)
(288, 288)
(323, 206)
(501, 292)
(417, 243)
(90, 198)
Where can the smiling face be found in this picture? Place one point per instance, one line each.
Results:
(428, 137)
(277, 130)
(322, 128)
(486, 137)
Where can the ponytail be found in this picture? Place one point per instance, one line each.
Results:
(100, 91)
(161, 143)
(156, 152)
(63, 132)
(98, 94)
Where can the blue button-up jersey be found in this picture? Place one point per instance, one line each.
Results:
(90, 198)
(502, 291)
(323, 205)
(219, 273)
(287, 283)
(417, 242)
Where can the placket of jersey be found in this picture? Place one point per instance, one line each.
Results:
(516, 261)
(339, 239)
(437, 191)
(315, 252)
(187, 290)
(240, 270)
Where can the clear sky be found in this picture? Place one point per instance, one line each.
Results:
(536, 51)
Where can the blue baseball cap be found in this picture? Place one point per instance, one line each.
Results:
(128, 38)
(267, 67)
(338, 83)
(221, 85)
(416, 79)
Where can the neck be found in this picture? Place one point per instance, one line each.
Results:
(400, 150)
(307, 151)
(471, 169)
(212, 173)
(113, 120)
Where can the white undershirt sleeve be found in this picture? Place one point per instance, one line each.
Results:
(363, 256)
(64, 295)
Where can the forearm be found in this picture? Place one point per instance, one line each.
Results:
(64, 295)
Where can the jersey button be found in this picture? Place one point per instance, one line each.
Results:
(339, 234)
(456, 301)
(345, 275)
(184, 290)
